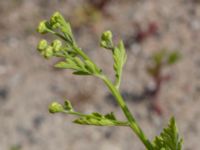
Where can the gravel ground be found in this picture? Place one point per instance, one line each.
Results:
(28, 83)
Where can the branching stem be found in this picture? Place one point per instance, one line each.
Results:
(133, 124)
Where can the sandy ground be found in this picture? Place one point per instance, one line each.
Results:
(28, 83)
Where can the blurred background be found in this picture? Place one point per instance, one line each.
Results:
(28, 82)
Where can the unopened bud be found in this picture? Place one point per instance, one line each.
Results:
(106, 36)
(48, 52)
(106, 40)
(55, 107)
(56, 25)
(55, 18)
(56, 44)
(103, 44)
(42, 27)
(42, 45)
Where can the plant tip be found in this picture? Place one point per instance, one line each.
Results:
(42, 27)
(55, 107)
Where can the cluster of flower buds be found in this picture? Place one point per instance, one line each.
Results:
(56, 22)
(58, 26)
(51, 50)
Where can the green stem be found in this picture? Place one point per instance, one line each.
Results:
(118, 80)
(81, 53)
(133, 124)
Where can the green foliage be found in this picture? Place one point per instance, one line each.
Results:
(173, 57)
(100, 120)
(169, 139)
(56, 107)
(76, 60)
(161, 59)
(119, 54)
(80, 67)
(165, 57)
(94, 118)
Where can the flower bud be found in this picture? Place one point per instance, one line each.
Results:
(55, 18)
(106, 36)
(42, 45)
(56, 44)
(103, 44)
(42, 27)
(48, 52)
(55, 107)
(106, 40)
(56, 26)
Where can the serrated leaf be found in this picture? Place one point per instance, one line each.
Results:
(79, 67)
(119, 56)
(100, 120)
(169, 138)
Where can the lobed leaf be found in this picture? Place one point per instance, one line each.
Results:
(80, 67)
(98, 119)
(119, 56)
(169, 139)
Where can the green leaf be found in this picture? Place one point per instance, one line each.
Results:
(169, 139)
(66, 65)
(98, 119)
(173, 57)
(80, 67)
(119, 56)
(81, 73)
(79, 62)
(91, 67)
(110, 116)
